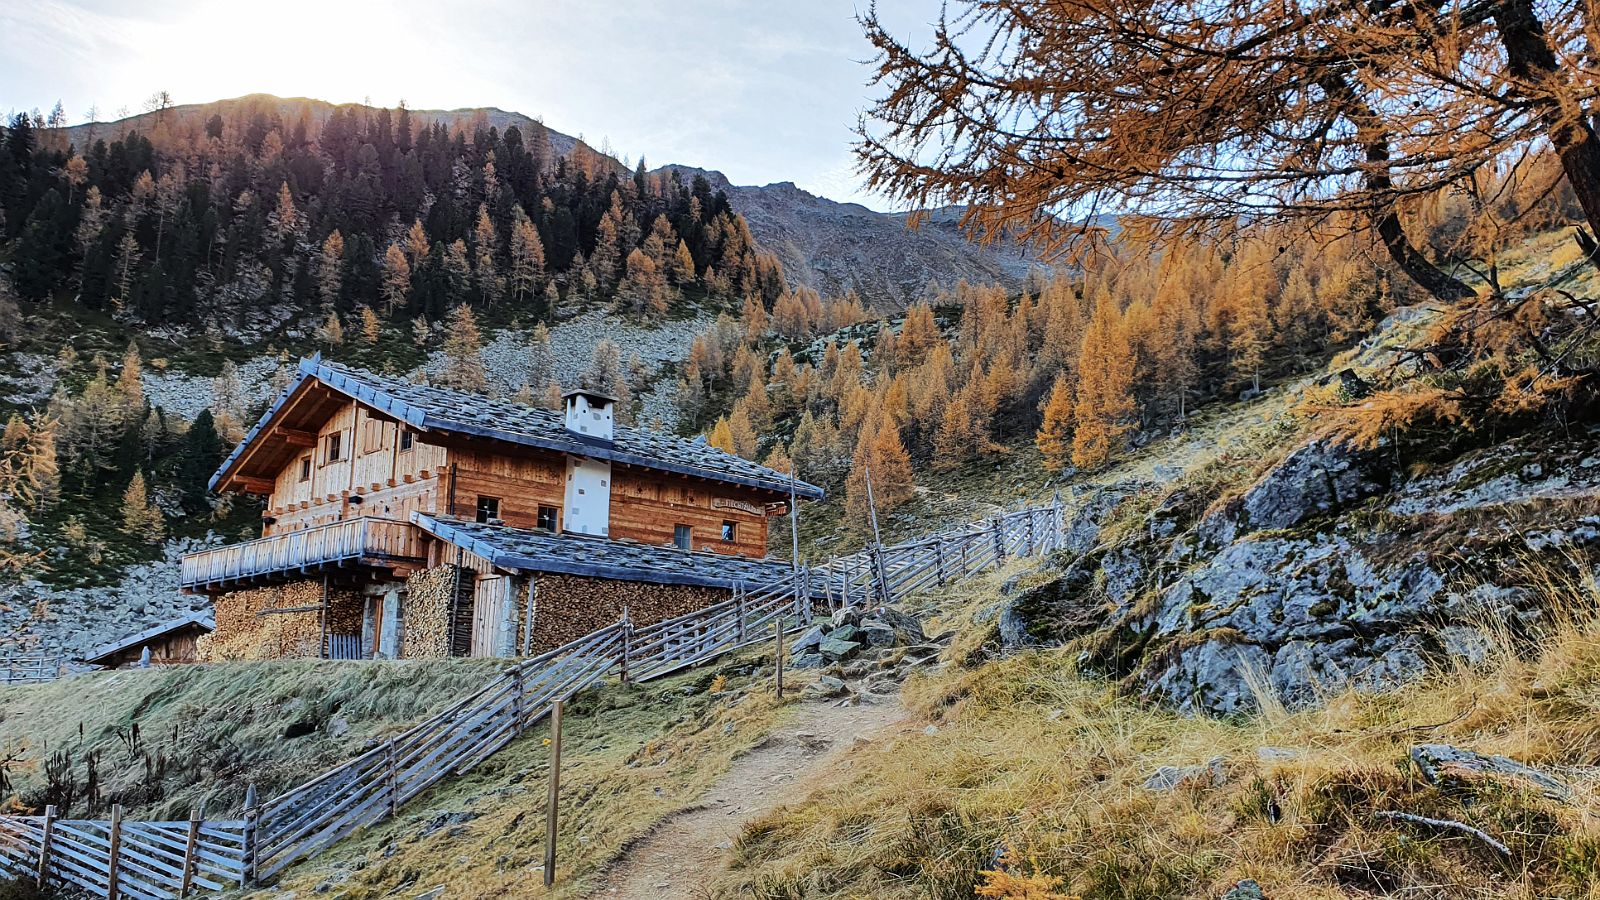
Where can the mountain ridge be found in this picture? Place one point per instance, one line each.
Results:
(828, 245)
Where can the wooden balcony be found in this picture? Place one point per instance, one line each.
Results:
(362, 541)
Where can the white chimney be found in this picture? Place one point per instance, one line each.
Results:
(590, 414)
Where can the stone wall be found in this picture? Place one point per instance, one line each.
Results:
(567, 607)
(245, 631)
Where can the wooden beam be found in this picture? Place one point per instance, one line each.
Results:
(294, 437)
(252, 485)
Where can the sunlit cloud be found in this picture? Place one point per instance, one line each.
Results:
(763, 92)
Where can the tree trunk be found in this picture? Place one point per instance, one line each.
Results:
(1530, 60)
(1380, 184)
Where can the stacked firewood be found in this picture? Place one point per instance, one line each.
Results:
(425, 612)
(567, 607)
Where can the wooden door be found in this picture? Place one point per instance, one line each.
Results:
(491, 604)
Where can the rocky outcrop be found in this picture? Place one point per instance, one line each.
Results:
(1319, 478)
(1291, 592)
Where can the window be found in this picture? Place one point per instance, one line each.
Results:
(406, 438)
(730, 532)
(305, 468)
(682, 537)
(549, 518)
(336, 446)
(488, 508)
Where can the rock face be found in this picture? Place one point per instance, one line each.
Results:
(1291, 591)
(1319, 478)
(73, 622)
(836, 247)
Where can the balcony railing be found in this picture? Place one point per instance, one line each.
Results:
(362, 540)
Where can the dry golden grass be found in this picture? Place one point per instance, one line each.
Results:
(166, 739)
(631, 756)
(1029, 757)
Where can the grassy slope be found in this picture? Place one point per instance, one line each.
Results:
(205, 732)
(631, 755)
(1030, 756)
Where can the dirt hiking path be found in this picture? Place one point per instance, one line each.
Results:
(672, 861)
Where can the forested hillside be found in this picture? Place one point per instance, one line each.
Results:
(209, 219)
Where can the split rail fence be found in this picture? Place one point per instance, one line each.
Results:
(161, 860)
(31, 668)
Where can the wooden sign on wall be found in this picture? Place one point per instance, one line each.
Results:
(740, 505)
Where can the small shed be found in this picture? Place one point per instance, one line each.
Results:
(170, 643)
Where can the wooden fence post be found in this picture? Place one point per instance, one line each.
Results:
(391, 775)
(516, 699)
(627, 638)
(113, 855)
(938, 552)
(1028, 535)
(881, 574)
(247, 872)
(555, 796)
(999, 541)
(778, 627)
(738, 611)
(189, 847)
(44, 844)
(1058, 522)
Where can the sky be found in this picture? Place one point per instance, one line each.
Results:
(762, 91)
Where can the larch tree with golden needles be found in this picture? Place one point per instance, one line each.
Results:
(396, 285)
(1105, 409)
(141, 519)
(1185, 116)
(463, 353)
(1054, 439)
(880, 454)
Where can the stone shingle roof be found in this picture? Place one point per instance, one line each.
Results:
(542, 551)
(202, 620)
(442, 409)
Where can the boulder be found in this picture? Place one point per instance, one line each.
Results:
(1248, 889)
(811, 639)
(1448, 765)
(1321, 477)
(808, 661)
(1213, 773)
(837, 650)
(850, 633)
(824, 688)
(905, 626)
(877, 635)
(850, 615)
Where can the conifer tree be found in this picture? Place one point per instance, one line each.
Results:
(417, 244)
(683, 272)
(396, 279)
(743, 433)
(721, 436)
(141, 519)
(527, 255)
(371, 328)
(463, 353)
(130, 383)
(331, 332)
(1054, 439)
(330, 270)
(880, 453)
(606, 373)
(1104, 411)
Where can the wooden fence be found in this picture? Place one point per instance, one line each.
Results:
(31, 668)
(890, 573)
(114, 858)
(371, 787)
